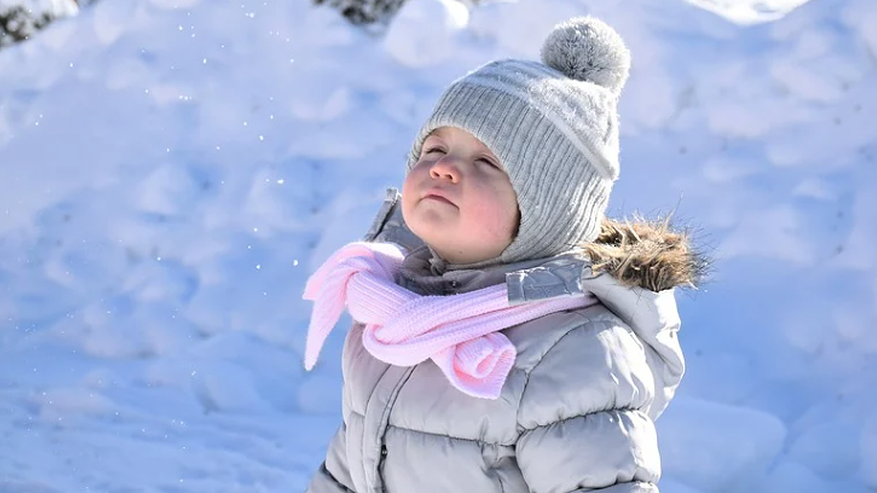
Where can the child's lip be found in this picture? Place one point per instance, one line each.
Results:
(440, 195)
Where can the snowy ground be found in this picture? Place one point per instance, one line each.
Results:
(171, 171)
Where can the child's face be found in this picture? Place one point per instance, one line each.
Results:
(458, 199)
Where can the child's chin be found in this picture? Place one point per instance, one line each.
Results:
(432, 234)
(433, 219)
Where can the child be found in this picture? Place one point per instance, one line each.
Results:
(508, 338)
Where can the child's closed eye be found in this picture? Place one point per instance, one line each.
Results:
(489, 162)
(434, 149)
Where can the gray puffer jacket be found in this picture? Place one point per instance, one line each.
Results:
(577, 410)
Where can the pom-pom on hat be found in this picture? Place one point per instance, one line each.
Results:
(554, 127)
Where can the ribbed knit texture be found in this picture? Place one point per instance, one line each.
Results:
(556, 136)
(458, 332)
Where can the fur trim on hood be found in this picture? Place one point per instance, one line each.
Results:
(647, 254)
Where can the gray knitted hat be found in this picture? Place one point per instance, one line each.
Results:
(554, 127)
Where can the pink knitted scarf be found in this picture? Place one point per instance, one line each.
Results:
(458, 332)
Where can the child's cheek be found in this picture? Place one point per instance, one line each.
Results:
(498, 210)
(489, 221)
(411, 181)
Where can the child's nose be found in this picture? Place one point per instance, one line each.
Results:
(445, 168)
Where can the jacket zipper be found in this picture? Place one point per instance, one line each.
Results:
(385, 422)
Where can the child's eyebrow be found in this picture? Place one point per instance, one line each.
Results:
(439, 132)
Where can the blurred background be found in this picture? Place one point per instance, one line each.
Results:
(172, 170)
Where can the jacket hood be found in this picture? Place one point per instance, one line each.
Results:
(646, 254)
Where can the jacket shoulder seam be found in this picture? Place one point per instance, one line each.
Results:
(452, 437)
(585, 322)
(584, 415)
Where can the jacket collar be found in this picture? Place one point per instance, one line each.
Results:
(424, 272)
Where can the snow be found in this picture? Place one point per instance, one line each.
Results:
(171, 171)
(750, 11)
(59, 8)
(423, 33)
(869, 450)
(748, 441)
